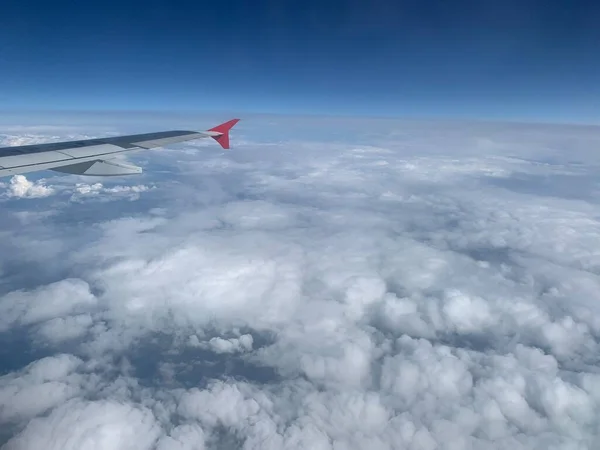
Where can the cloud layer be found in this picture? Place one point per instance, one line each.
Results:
(414, 286)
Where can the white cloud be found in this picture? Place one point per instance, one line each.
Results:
(80, 424)
(183, 437)
(10, 140)
(64, 328)
(465, 313)
(94, 189)
(319, 295)
(42, 385)
(48, 302)
(21, 187)
(83, 191)
(220, 345)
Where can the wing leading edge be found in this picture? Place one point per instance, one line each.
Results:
(93, 156)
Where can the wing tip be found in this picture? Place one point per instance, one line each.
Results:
(223, 138)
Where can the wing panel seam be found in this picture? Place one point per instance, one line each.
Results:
(86, 158)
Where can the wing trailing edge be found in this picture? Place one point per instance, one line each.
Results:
(100, 168)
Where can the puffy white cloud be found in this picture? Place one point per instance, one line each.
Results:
(220, 345)
(64, 328)
(21, 187)
(421, 291)
(82, 188)
(183, 437)
(79, 424)
(47, 302)
(83, 191)
(12, 134)
(41, 385)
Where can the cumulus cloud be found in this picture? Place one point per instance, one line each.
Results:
(417, 287)
(24, 138)
(47, 302)
(21, 187)
(220, 345)
(41, 385)
(101, 424)
(84, 190)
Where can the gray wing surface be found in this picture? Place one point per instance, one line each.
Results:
(95, 156)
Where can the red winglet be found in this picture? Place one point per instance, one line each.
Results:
(224, 128)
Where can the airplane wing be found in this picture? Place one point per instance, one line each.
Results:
(95, 156)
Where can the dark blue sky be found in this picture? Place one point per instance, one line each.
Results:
(480, 58)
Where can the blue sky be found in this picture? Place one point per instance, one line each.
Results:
(534, 60)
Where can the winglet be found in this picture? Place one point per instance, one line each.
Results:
(223, 138)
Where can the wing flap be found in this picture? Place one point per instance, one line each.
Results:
(30, 162)
(100, 168)
(4, 171)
